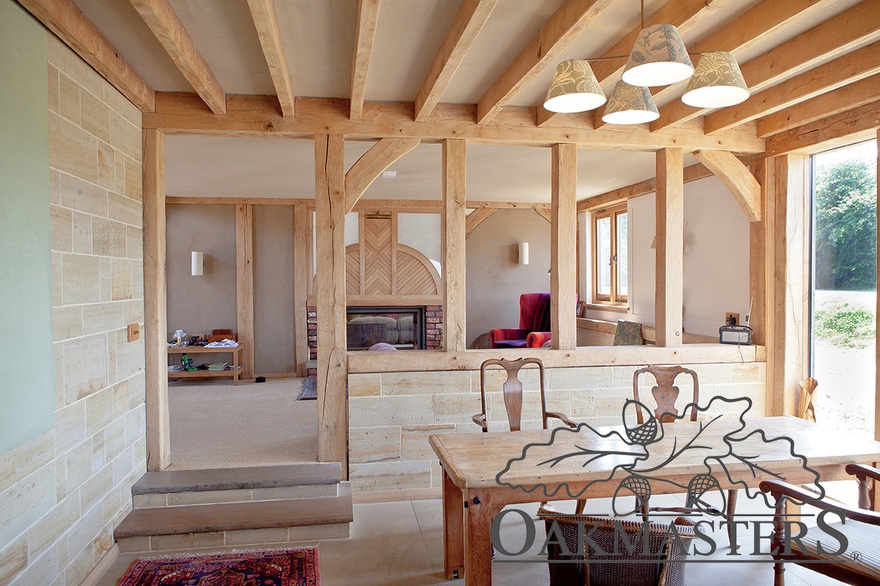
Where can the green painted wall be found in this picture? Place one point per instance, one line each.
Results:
(26, 362)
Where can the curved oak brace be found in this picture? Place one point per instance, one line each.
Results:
(737, 178)
(371, 164)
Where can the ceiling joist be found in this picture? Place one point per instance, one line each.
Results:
(837, 130)
(258, 116)
(737, 178)
(470, 19)
(569, 21)
(832, 38)
(371, 164)
(67, 21)
(266, 22)
(166, 26)
(365, 35)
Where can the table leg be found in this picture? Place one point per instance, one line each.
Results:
(481, 509)
(453, 529)
(235, 375)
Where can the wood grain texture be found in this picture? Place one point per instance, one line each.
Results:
(302, 267)
(258, 116)
(477, 217)
(670, 247)
(371, 164)
(758, 261)
(377, 252)
(167, 28)
(155, 312)
(244, 285)
(737, 178)
(266, 22)
(331, 300)
(415, 275)
(835, 130)
(365, 34)
(469, 21)
(563, 246)
(66, 20)
(453, 244)
(569, 21)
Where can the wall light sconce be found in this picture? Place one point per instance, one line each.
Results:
(198, 263)
(523, 253)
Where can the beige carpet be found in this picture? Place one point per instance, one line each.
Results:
(215, 424)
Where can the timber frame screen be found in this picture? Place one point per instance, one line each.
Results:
(610, 271)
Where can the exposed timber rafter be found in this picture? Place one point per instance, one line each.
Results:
(832, 38)
(367, 20)
(562, 28)
(836, 130)
(371, 164)
(69, 24)
(258, 116)
(737, 178)
(469, 21)
(166, 26)
(266, 22)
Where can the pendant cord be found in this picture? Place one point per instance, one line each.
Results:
(642, 13)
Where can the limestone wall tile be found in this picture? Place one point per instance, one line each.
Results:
(13, 559)
(126, 210)
(133, 311)
(137, 280)
(610, 402)
(60, 478)
(51, 527)
(420, 383)
(106, 165)
(61, 228)
(25, 502)
(454, 407)
(374, 444)
(751, 372)
(121, 279)
(400, 410)
(375, 476)
(135, 424)
(55, 186)
(78, 465)
(82, 233)
(79, 567)
(69, 97)
(125, 136)
(62, 57)
(414, 440)
(436, 474)
(85, 366)
(134, 242)
(115, 501)
(57, 278)
(80, 279)
(93, 490)
(124, 469)
(54, 89)
(129, 357)
(134, 187)
(119, 186)
(67, 322)
(81, 196)
(95, 116)
(364, 385)
(70, 426)
(7, 470)
(84, 531)
(579, 378)
(58, 374)
(99, 411)
(34, 453)
(108, 238)
(136, 390)
(103, 543)
(41, 570)
(102, 317)
(120, 399)
(105, 279)
(72, 149)
(712, 373)
(114, 439)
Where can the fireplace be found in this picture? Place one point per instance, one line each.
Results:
(401, 327)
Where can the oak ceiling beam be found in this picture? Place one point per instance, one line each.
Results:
(564, 26)
(737, 178)
(738, 34)
(258, 116)
(611, 198)
(470, 19)
(475, 218)
(834, 37)
(266, 22)
(166, 26)
(371, 164)
(69, 24)
(837, 130)
(683, 14)
(840, 100)
(840, 72)
(365, 35)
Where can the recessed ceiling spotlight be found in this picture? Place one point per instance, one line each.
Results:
(389, 174)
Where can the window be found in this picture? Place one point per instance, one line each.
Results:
(610, 281)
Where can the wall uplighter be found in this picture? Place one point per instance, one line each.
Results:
(523, 253)
(198, 263)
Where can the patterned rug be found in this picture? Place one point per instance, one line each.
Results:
(309, 390)
(292, 567)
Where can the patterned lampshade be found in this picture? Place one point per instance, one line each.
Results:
(659, 57)
(630, 104)
(574, 88)
(717, 82)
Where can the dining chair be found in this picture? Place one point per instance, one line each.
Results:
(665, 395)
(862, 531)
(512, 390)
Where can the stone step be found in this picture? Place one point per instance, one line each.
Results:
(236, 524)
(216, 479)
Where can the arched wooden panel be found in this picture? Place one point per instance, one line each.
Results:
(377, 246)
(415, 273)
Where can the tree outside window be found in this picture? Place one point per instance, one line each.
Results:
(610, 278)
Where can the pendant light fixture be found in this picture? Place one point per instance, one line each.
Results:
(658, 58)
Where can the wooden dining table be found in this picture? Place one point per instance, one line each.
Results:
(483, 472)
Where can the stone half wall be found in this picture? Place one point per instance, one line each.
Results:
(391, 414)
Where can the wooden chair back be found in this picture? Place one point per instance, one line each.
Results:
(665, 392)
(513, 388)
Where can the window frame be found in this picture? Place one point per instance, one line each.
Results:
(614, 298)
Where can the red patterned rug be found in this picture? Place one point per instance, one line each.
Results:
(292, 567)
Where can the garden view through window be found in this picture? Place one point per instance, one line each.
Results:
(844, 298)
(611, 279)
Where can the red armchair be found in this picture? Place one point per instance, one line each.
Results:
(534, 324)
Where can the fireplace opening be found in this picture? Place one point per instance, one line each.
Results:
(401, 327)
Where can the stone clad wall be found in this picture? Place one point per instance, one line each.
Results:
(391, 414)
(64, 491)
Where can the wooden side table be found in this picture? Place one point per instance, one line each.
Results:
(235, 373)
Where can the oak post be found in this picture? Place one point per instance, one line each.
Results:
(155, 310)
(668, 313)
(563, 247)
(453, 245)
(302, 264)
(244, 285)
(332, 360)
(758, 261)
